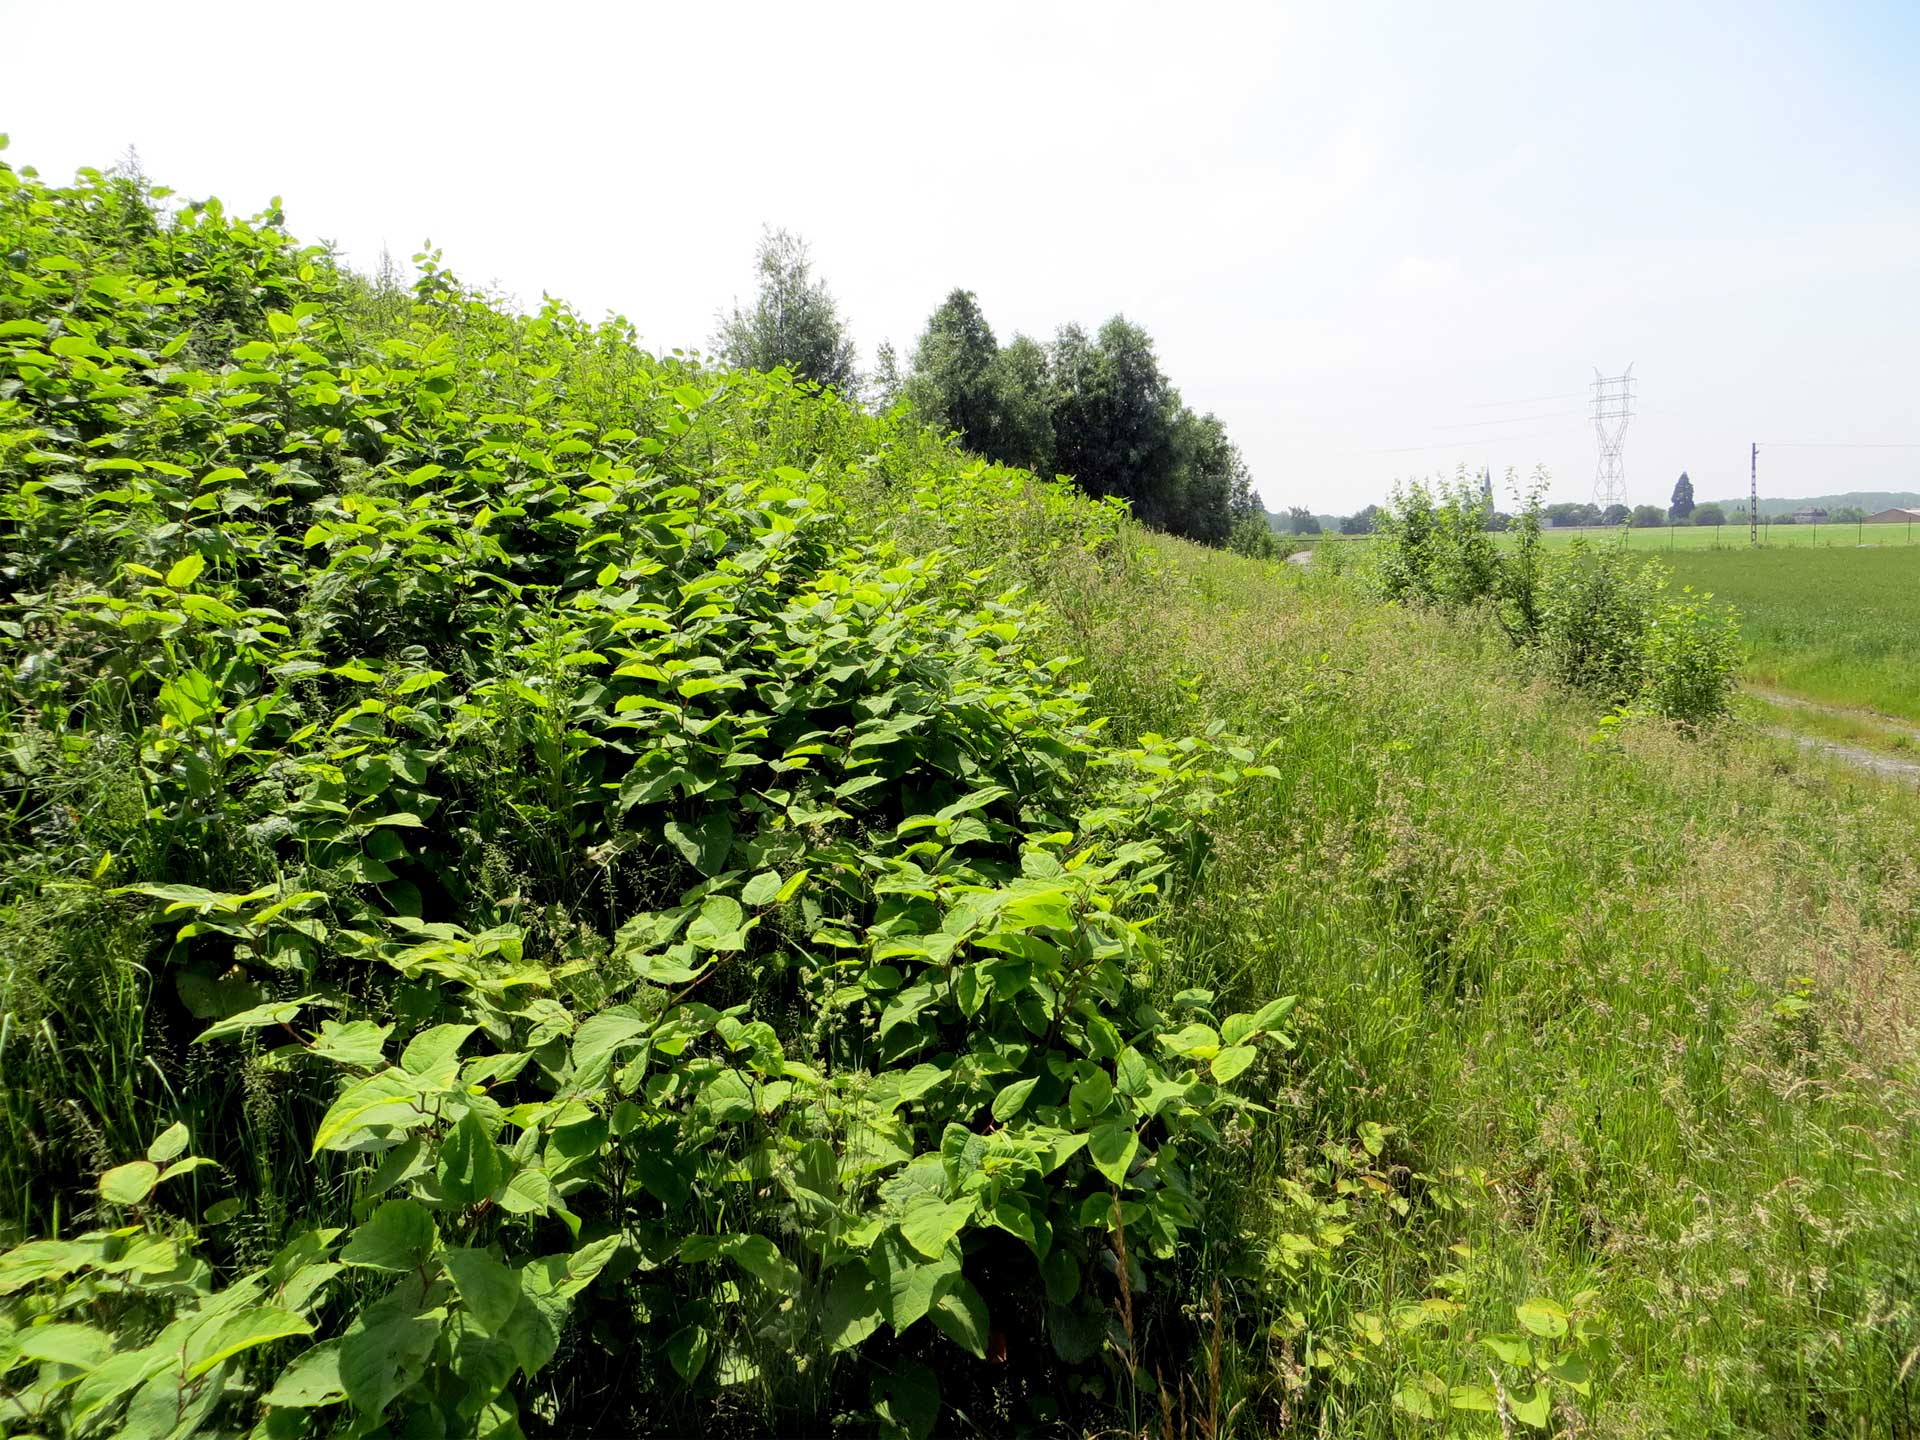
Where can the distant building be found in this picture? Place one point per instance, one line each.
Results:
(1894, 517)
(1809, 515)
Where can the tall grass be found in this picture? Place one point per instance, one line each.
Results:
(1634, 1012)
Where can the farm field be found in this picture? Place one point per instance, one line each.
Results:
(1710, 537)
(1836, 625)
(1674, 538)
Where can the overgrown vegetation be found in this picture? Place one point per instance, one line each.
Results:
(549, 890)
(1096, 408)
(1587, 615)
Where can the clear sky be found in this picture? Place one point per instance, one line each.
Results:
(1377, 240)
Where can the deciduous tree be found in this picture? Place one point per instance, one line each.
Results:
(793, 322)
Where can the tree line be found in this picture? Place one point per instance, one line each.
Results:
(1097, 408)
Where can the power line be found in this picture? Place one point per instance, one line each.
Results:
(1536, 400)
(1835, 445)
(1514, 420)
(1464, 443)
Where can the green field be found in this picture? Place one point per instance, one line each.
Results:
(1840, 626)
(1829, 614)
(1709, 537)
(1670, 538)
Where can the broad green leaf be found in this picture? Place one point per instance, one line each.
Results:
(383, 1103)
(1012, 1099)
(39, 1260)
(907, 1284)
(688, 1350)
(398, 1237)
(761, 889)
(1536, 1411)
(1417, 1402)
(704, 845)
(1472, 1397)
(529, 1192)
(761, 1258)
(63, 1343)
(1575, 1371)
(429, 1052)
(184, 571)
(962, 1315)
(1090, 1097)
(261, 1325)
(1513, 1349)
(471, 1166)
(383, 1354)
(489, 1289)
(169, 1143)
(929, 1224)
(720, 925)
(360, 1043)
(602, 1036)
(1238, 1029)
(1061, 1272)
(1542, 1317)
(312, 1380)
(853, 1309)
(1111, 1148)
(1229, 1063)
(1200, 1042)
(260, 1017)
(131, 1183)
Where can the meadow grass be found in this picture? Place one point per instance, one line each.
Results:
(1633, 1011)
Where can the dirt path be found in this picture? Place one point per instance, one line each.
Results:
(1860, 757)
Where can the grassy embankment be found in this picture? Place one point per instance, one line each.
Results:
(1833, 630)
(1643, 1005)
(1598, 1115)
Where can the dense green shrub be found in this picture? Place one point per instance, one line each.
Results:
(1589, 615)
(502, 859)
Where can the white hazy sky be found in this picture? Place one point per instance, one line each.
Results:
(1377, 240)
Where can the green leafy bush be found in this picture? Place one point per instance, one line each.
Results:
(582, 887)
(1587, 614)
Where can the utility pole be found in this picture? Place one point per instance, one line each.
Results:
(1612, 409)
(1753, 495)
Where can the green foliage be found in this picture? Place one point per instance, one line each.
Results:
(1647, 517)
(575, 864)
(1099, 410)
(1361, 522)
(1709, 515)
(793, 323)
(1682, 505)
(1588, 617)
